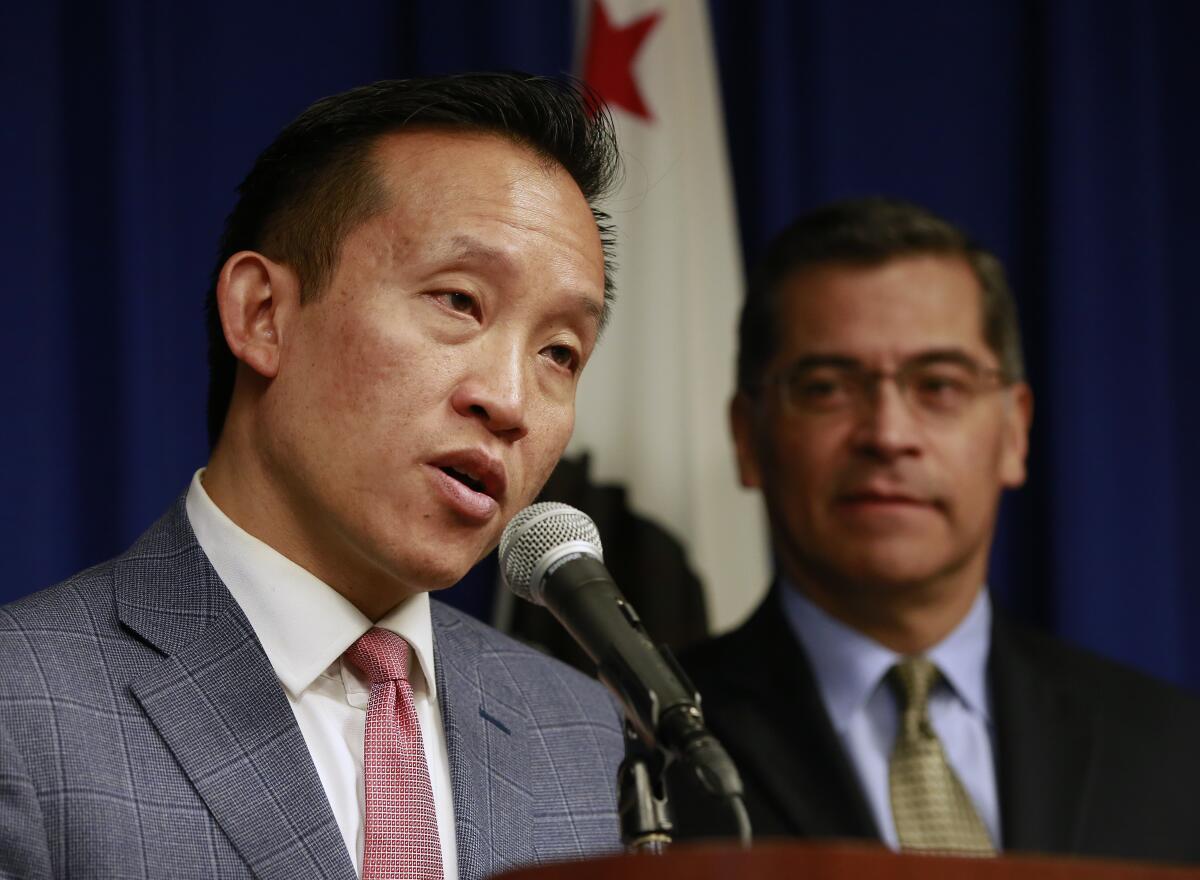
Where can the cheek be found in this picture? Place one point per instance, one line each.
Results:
(797, 474)
(801, 465)
(372, 371)
(972, 472)
(550, 429)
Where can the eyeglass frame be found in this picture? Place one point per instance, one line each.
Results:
(864, 382)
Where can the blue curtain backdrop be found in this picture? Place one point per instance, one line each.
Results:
(1063, 134)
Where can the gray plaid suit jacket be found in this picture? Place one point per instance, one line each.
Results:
(143, 733)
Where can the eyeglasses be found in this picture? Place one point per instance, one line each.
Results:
(937, 386)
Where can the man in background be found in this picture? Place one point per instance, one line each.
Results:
(408, 288)
(882, 410)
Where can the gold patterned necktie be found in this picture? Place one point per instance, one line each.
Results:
(932, 810)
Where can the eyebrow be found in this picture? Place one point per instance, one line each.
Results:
(589, 308)
(947, 356)
(932, 356)
(466, 248)
(816, 361)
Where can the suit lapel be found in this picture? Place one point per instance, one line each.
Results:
(219, 707)
(781, 736)
(789, 744)
(486, 737)
(1045, 746)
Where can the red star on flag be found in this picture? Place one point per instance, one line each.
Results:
(608, 62)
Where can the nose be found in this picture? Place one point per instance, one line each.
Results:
(886, 428)
(494, 392)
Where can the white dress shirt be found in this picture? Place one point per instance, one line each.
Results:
(305, 626)
(850, 670)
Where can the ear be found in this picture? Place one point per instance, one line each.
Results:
(741, 422)
(1018, 417)
(256, 297)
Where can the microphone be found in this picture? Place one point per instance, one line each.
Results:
(551, 555)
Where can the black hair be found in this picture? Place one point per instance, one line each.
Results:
(316, 181)
(868, 232)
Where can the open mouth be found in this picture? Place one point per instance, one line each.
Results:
(474, 470)
(466, 479)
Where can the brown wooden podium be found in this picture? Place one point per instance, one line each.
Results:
(823, 861)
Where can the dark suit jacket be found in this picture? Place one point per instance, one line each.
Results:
(143, 733)
(1091, 758)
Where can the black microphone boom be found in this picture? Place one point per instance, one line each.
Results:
(550, 554)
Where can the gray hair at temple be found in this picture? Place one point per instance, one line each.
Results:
(869, 232)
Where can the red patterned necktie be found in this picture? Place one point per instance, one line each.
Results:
(401, 826)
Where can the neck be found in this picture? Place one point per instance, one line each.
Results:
(241, 486)
(906, 618)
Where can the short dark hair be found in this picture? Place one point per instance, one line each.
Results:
(316, 181)
(868, 232)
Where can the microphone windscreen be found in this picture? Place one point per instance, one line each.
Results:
(539, 534)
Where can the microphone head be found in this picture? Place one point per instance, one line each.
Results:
(539, 536)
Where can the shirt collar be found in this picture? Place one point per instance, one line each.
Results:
(849, 665)
(303, 624)
(962, 656)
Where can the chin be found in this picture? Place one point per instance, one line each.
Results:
(889, 567)
(438, 575)
(447, 568)
(431, 552)
(892, 580)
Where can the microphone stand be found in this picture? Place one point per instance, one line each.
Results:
(641, 797)
(643, 804)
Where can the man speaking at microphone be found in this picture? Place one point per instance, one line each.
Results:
(408, 288)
